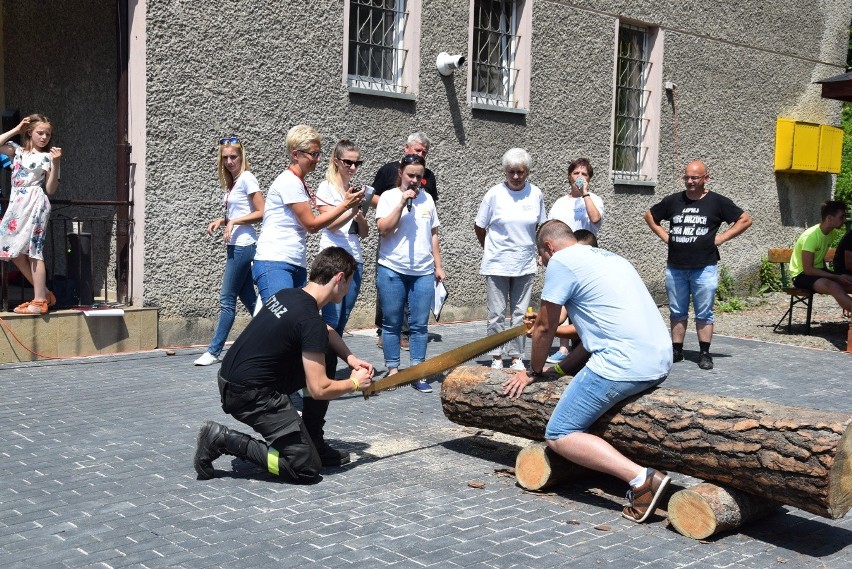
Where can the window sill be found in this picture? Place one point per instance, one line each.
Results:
(381, 93)
(626, 182)
(498, 108)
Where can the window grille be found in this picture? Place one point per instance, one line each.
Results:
(495, 49)
(376, 50)
(631, 96)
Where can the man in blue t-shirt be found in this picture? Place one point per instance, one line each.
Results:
(694, 217)
(627, 346)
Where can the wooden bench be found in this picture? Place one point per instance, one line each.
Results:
(800, 297)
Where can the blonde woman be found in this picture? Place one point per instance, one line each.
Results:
(347, 230)
(243, 207)
(281, 258)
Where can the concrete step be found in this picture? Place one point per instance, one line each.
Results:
(70, 333)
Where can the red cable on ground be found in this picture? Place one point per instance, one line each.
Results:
(6, 326)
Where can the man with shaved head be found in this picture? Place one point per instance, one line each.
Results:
(694, 217)
(625, 351)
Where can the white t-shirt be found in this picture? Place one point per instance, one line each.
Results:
(282, 237)
(408, 248)
(339, 237)
(510, 218)
(614, 313)
(237, 204)
(572, 212)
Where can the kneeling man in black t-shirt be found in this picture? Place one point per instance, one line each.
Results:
(287, 346)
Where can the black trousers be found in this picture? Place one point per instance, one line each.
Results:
(271, 414)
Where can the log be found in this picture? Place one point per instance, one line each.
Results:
(537, 468)
(707, 509)
(797, 456)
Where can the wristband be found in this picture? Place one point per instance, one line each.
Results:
(533, 374)
(585, 196)
(356, 383)
(558, 369)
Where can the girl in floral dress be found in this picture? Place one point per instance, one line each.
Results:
(35, 175)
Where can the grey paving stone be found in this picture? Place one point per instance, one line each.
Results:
(95, 451)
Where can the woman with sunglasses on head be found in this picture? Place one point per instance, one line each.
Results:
(347, 230)
(281, 258)
(409, 263)
(243, 207)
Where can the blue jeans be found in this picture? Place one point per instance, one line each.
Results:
(700, 283)
(236, 282)
(337, 315)
(586, 398)
(272, 276)
(395, 292)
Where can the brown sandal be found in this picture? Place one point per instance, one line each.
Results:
(33, 308)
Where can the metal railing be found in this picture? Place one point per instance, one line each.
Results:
(377, 54)
(495, 49)
(83, 266)
(631, 96)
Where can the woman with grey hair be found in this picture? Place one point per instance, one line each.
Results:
(505, 225)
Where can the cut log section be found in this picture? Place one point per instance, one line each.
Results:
(797, 456)
(707, 509)
(537, 468)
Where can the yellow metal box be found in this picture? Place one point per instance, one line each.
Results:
(784, 130)
(806, 147)
(830, 149)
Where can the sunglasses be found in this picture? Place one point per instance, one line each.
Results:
(229, 140)
(413, 159)
(350, 163)
(314, 155)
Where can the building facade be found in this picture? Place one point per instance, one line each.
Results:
(639, 88)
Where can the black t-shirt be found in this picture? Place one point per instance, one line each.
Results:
(386, 179)
(693, 225)
(269, 351)
(839, 263)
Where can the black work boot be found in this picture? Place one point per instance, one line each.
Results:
(314, 419)
(214, 440)
(211, 445)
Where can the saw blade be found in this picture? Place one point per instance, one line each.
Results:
(445, 361)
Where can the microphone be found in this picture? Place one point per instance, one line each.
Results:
(410, 201)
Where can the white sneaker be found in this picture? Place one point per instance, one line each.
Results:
(496, 364)
(557, 357)
(207, 359)
(518, 365)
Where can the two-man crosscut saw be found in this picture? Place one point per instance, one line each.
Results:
(445, 361)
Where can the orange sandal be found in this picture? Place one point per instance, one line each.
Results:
(33, 308)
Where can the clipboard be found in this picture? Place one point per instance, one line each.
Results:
(438, 299)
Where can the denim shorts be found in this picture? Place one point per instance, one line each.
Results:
(586, 398)
(699, 283)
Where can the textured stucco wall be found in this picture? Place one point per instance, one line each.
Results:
(259, 71)
(60, 60)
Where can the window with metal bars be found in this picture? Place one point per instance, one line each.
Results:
(495, 48)
(631, 98)
(377, 54)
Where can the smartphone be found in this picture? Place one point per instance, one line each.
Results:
(368, 199)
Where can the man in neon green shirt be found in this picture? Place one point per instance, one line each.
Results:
(807, 264)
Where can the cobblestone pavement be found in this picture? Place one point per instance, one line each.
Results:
(96, 470)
